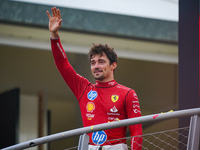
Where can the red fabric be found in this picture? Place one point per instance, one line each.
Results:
(100, 102)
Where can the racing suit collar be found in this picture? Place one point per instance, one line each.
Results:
(106, 84)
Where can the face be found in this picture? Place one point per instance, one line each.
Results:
(101, 68)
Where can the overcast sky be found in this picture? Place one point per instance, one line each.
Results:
(158, 9)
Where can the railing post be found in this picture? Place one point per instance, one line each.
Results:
(194, 131)
(83, 142)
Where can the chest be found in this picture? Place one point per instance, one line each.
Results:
(103, 101)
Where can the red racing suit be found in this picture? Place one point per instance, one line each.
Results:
(100, 102)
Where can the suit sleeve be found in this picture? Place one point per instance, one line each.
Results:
(133, 110)
(76, 82)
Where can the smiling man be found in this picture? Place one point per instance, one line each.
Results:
(102, 102)
(103, 60)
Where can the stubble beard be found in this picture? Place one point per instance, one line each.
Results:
(101, 77)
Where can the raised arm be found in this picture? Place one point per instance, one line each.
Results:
(54, 22)
(76, 83)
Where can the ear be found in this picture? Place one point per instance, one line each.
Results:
(113, 66)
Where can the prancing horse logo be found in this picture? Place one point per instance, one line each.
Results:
(114, 98)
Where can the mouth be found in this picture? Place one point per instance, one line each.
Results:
(97, 71)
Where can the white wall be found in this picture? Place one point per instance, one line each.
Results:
(28, 126)
(28, 118)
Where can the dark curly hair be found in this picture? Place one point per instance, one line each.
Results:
(103, 48)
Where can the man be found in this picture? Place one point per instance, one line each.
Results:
(102, 102)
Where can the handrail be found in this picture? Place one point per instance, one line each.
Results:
(105, 126)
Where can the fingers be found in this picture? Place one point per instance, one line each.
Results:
(53, 9)
(60, 22)
(58, 13)
(55, 13)
(48, 14)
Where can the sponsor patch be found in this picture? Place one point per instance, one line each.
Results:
(92, 95)
(135, 102)
(90, 107)
(111, 83)
(136, 106)
(114, 114)
(136, 111)
(114, 98)
(111, 119)
(61, 50)
(135, 95)
(90, 116)
(114, 109)
(99, 137)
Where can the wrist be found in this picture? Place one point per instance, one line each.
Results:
(54, 35)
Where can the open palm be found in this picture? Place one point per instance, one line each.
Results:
(55, 20)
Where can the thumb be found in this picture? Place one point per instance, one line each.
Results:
(60, 22)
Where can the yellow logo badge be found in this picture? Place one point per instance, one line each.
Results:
(90, 107)
(114, 98)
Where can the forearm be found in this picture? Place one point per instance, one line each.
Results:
(133, 111)
(73, 80)
(61, 61)
(59, 54)
(136, 143)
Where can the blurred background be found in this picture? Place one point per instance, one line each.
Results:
(143, 32)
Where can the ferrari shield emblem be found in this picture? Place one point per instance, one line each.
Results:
(114, 98)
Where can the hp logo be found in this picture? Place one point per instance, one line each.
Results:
(99, 137)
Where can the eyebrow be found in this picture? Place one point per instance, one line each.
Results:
(98, 59)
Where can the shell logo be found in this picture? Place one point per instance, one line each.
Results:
(90, 106)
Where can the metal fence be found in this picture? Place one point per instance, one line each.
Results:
(163, 140)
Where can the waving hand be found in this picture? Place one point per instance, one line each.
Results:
(54, 22)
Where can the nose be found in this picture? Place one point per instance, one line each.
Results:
(96, 65)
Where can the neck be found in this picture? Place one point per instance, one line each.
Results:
(106, 84)
(102, 81)
(107, 79)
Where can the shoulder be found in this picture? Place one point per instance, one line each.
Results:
(123, 88)
(129, 92)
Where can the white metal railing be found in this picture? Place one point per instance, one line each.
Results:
(174, 139)
(193, 139)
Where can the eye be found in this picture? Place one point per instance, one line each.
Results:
(101, 61)
(92, 62)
